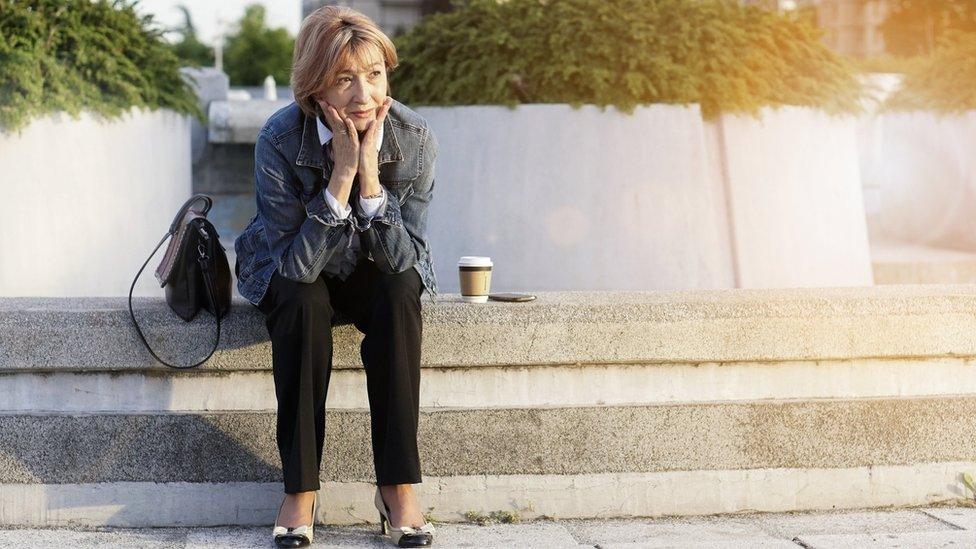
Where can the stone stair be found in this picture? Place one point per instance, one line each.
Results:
(579, 404)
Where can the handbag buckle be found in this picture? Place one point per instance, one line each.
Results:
(203, 233)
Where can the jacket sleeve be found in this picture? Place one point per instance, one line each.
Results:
(301, 237)
(397, 235)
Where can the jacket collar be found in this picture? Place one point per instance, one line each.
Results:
(310, 153)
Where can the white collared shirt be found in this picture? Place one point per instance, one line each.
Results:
(369, 206)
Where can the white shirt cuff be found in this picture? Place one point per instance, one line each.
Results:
(370, 206)
(337, 209)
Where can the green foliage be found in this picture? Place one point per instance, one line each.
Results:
(944, 81)
(885, 63)
(494, 517)
(190, 49)
(254, 51)
(915, 27)
(74, 55)
(717, 53)
(967, 479)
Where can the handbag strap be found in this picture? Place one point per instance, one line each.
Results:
(207, 204)
(208, 278)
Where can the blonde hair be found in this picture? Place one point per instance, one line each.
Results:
(329, 36)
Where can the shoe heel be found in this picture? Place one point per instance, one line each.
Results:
(383, 528)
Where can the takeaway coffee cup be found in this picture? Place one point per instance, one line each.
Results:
(475, 273)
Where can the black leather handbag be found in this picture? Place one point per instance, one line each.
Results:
(194, 270)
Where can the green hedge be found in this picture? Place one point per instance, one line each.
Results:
(717, 53)
(74, 55)
(885, 64)
(944, 81)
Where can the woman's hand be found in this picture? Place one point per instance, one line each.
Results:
(369, 172)
(345, 143)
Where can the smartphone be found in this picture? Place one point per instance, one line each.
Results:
(511, 297)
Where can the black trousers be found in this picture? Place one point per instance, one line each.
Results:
(384, 307)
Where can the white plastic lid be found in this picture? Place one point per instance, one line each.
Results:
(474, 261)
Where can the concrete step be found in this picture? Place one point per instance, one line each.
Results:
(686, 327)
(579, 404)
(166, 469)
(727, 439)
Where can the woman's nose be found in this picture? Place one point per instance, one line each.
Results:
(362, 93)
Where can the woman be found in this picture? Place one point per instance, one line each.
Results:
(344, 176)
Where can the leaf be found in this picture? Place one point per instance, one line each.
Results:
(969, 482)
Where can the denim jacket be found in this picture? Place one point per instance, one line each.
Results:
(295, 232)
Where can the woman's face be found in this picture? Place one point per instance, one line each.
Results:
(358, 89)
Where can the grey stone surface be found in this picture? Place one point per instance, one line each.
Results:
(150, 538)
(790, 525)
(240, 121)
(915, 540)
(557, 328)
(764, 529)
(959, 517)
(738, 543)
(888, 529)
(245, 538)
(531, 534)
(209, 84)
(240, 446)
(667, 532)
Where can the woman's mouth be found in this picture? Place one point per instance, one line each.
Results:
(361, 114)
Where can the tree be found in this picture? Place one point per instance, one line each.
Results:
(190, 49)
(914, 27)
(254, 51)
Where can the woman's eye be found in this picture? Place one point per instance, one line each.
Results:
(345, 79)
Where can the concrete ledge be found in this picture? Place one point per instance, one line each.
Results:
(511, 386)
(602, 495)
(95, 334)
(240, 446)
(240, 121)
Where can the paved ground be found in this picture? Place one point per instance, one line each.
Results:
(928, 528)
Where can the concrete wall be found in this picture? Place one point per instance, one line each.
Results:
(657, 199)
(209, 84)
(653, 200)
(86, 200)
(925, 184)
(796, 208)
(577, 199)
